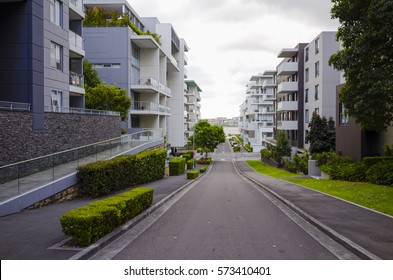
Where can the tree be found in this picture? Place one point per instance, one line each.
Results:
(366, 57)
(282, 148)
(208, 136)
(90, 74)
(322, 135)
(108, 97)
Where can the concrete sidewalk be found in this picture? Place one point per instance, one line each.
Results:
(367, 233)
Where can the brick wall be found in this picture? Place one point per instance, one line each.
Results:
(62, 132)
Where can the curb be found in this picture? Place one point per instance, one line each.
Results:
(86, 253)
(348, 244)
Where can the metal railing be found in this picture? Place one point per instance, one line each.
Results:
(156, 84)
(72, 110)
(150, 106)
(76, 79)
(75, 40)
(15, 106)
(22, 177)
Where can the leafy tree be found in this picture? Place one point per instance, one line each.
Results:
(90, 74)
(366, 57)
(322, 135)
(282, 149)
(108, 97)
(208, 136)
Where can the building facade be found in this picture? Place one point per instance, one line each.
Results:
(193, 106)
(320, 79)
(257, 113)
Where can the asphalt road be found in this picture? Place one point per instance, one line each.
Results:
(222, 217)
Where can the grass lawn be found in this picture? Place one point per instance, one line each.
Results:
(369, 195)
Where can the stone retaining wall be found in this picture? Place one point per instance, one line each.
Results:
(18, 142)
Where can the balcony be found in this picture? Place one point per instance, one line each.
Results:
(77, 83)
(185, 60)
(287, 106)
(76, 43)
(76, 6)
(149, 108)
(151, 85)
(287, 87)
(287, 125)
(287, 68)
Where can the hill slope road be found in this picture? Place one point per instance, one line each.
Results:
(224, 217)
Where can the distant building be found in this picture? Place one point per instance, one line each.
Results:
(192, 106)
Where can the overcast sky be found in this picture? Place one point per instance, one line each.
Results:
(231, 40)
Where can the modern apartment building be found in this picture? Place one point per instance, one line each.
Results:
(290, 94)
(257, 113)
(151, 72)
(193, 107)
(41, 56)
(320, 79)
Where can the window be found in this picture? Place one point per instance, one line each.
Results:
(307, 116)
(105, 65)
(56, 53)
(317, 46)
(56, 100)
(306, 96)
(316, 92)
(344, 117)
(316, 111)
(316, 69)
(306, 54)
(307, 75)
(56, 12)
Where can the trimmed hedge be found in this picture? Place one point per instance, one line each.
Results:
(266, 153)
(381, 173)
(202, 169)
(105, 177)
(87, 224)
(191, 163)
(370, 161)
(177, 166)
(236, 149)
(206, 161)
(192, 174)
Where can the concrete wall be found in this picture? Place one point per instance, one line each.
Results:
(61, 132)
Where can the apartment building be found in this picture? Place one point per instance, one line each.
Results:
(152, 72)
(290, 94)
(41, 56)
(193, 106)
(257, 113)
(320, 79)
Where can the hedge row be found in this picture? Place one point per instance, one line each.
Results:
(206, 161)
(177, 166)
(87, 224)
(105, 177)
(191, 163)
(192, 174)
(202, 169)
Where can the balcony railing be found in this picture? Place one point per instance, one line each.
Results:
(78, 4)
(76, 79)
(287, 125)
(148, 106)
(14, 106)
(287, 106)
(287, 87)
(155, 84)
(75, 40)
(83, 111)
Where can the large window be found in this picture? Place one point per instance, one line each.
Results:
(56, 53)
(306, 54)
(56, 12)
(306, 96)
(317, 46)
(316, 92)
(307, 75)
(316, 69)
(306, 116)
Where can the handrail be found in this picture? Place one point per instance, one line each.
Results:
(9, 105)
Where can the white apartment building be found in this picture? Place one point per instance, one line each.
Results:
(152, 72)
(320, 79)
(193, 106)
(257, 113)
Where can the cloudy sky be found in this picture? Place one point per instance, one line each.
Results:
(231, 40)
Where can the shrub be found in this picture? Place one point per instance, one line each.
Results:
(370, 161)
(105, 177)
(331, 158)
(381, 173)
(206, 161)
(192, 174)
(236, 149)
(248, 148)
(202, 169)
(187, 156)
(89, 223)
(297, 164)
(353, 172)
(266, 153)
(191, 163)
(177, 166)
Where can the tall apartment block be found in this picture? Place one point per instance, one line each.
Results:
(151, 72)
(320, 79)
(257, 113)
(193, 107)
(41, 56)
(290, 94)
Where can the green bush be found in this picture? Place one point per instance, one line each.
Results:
(177, 166)
(105, 177)
(266, 153)
(202, 169)
(187, 156)
(353, 172)
(191, 163)
(381, 173)
(236, 149)
(370, 161)
(206, 161)
(89, 223)
(248, 148)
(192, 174)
